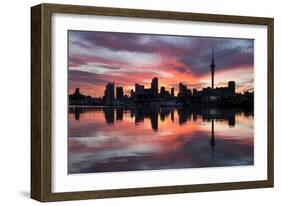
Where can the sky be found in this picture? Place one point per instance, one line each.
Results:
(96, 58)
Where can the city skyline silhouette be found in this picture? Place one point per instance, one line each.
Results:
(96, 58)
(141, 95)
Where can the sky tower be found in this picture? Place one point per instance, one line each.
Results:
(213, 67)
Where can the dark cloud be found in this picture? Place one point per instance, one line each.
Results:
(142, 43)
(194, 53)
(80, 60)
(228, 54)
(77, 60)
(111, 40)
(75, 76)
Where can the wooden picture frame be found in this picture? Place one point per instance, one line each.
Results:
(41, 95)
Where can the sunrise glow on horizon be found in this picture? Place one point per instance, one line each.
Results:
(96, 58)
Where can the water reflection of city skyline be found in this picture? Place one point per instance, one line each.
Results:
(110, 130)
(113, 114)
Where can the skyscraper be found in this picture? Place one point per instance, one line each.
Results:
(77, 91)
(195, 92)
(182, 88)
(162, 90)
(132, 94)
(109, 93)
(119, 92)
(172, 92)
(154, 86)
(231, 86)
(184, 91)
(139, 88)
(213, 67)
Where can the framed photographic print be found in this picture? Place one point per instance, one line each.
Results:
(132, 102)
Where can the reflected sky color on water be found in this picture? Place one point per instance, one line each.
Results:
(129, 139)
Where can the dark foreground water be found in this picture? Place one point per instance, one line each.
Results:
(108, 139)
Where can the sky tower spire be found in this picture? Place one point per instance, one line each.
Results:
(213, 67)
